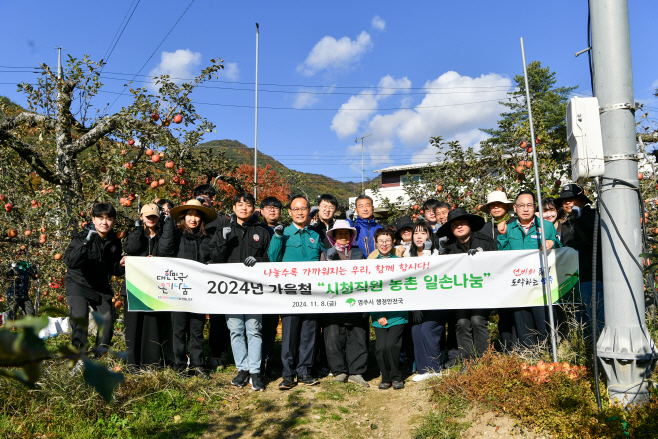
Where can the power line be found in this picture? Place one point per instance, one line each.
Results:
(110, 49)
(156, 49)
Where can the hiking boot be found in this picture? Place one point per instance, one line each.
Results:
(256, 382)
(308, 380)
(451, 363)
(240, 379)
(397, 385)
(287, 383)
(384, 386)
(359, 380)
(216, 364)
(324, 372)
(340, 378)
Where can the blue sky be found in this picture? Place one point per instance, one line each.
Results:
(410, 70)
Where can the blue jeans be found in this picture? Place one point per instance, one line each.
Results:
(586, 296)
(246, 341)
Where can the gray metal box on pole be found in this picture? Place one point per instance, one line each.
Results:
(625, 347)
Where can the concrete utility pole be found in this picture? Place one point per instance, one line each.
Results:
(363, 169)
(625, 348)
(256, 126)
(59, 62)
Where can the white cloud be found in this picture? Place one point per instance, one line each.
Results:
(655, 84)
(305, 100)
(230, 71)
(181, 65)
(358, 109)
(378, 23)
(332, 54)
(454, 107)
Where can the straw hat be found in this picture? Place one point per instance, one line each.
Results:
(207, 214)
(496, 197)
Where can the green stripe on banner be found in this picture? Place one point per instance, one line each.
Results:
(557, 293)
(140, 301)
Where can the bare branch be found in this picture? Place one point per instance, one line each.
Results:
(648, 137)
(30, 155)
(29, 120)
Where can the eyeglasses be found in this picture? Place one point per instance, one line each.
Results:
(271, 208)
(384, 242)
(299, 209)
(328, 208)
(526, 206)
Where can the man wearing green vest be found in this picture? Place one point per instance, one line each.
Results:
(297, 243)
(531, 322)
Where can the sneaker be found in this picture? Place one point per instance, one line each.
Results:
(384, 386)
(256, 382)
(287, 383)
(240, 379)
(216, 364)
(359, 380)
(308, 380)
(340, 378)
(199, 372)
(426, 376)
(397, 385)
(324, 372)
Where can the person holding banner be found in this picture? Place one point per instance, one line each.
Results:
(292, 244)
(388, 325)
(471, 325)
(148, 334)
(345, 334)
(429, 325)
(243, 241)
(189, 240)
(523, 234)
(499, 207)
(91, 258)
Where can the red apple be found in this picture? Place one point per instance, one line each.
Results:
(131, 142)
(558, 183)
(155, 158)
(60, 298)
(12, 233)
(537, 141)
(120, 234)
(58, 256)
(128, 203)
(172, 193)
(176, 179)
(640, 176)
(124, 152)
(129, 166)
(181, 171)
(528, 164)
(178, 118)
(110, 189)
(118, 304)
(9, 207)
(154, 184)
(155, 116)
(103, 169)
(148, 180)
(439, 188)
(183, 182)
(169, 165)
(519, 169)
(523, 144)
(149, 152)
(529, 149)
(131, 197)
(3, 198)
(162, 182)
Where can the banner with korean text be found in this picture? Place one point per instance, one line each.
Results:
(508, 279)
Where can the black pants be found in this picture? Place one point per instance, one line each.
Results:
(387, 352)
(320, 358)
(268, 335)
(532, 325)
(219, 337)
(146, 338)
(298, 343)
(347, 348)
(507, 329)
(185, 323)
(24, 303)
(79, 308)
(472, 332)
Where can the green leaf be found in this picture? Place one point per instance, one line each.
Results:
(54, 312)
(102, 379)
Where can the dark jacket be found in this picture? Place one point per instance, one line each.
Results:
(478, 240)
(578, 234)
(365, 234)
(492, 231)
(321, 229)
(139, 243)
(178, 244)
(217, 223)
(90, 264)
(248, 239)
(353, 254)
(20, 273)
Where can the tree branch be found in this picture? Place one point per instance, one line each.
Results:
(29, 120)
(30, 155)
(648, 137)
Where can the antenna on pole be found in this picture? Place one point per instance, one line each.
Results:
(256, 124)
(363, 169)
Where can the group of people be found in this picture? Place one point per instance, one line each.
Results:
(313, 345)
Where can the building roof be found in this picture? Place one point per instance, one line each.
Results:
(406, 167)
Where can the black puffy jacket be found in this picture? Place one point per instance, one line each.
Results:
(578, 233)
(175, 243)
(248, 239)
(90, 264)
(478, 240)
(139, 243)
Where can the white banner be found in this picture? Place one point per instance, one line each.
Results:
(506, 279)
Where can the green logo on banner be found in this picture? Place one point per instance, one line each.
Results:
(351, 301)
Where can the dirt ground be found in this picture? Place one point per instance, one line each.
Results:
(337, 410)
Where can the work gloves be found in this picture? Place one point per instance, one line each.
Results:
(250, 261)
(138, 222)
(417, 317)
(427, 248)
(577, 211)
(225, 232)
(90, 234)
(278, 230)
(472, 251)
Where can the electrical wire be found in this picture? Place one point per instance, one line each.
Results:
(111, 48)
(593, 301)
(156, 49)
